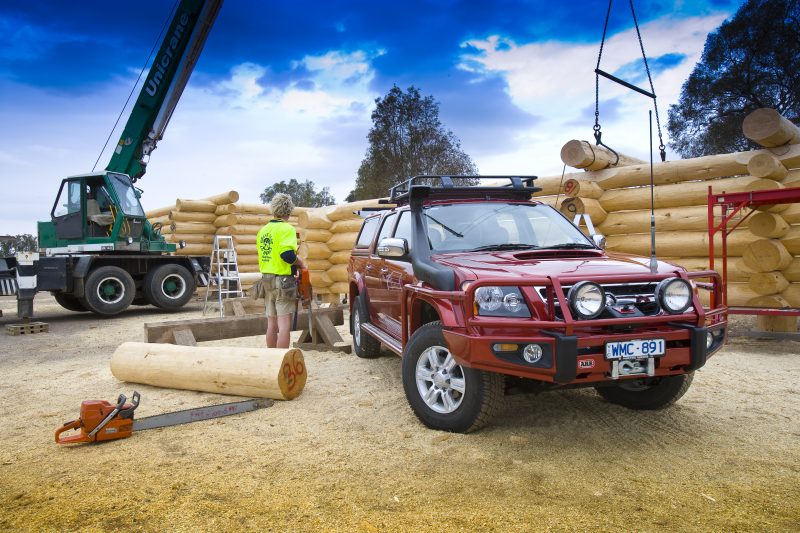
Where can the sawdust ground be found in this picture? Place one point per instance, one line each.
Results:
(348, 454)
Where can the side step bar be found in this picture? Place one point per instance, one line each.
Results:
(386, 339)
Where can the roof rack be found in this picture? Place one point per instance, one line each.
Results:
(518, 188)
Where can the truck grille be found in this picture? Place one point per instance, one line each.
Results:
(640, 295)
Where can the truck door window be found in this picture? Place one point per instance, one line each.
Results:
(403, 230)
(69, 201)
(387, 227)
(367, 232)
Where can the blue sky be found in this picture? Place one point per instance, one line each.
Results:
(285, 89)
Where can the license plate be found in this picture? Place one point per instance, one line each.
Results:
(638, 349)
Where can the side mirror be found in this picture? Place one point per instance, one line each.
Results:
(599, 241)
(391, 247)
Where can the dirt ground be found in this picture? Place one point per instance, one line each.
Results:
(348, 454)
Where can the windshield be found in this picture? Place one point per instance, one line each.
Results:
(499, 226)
(129, 203)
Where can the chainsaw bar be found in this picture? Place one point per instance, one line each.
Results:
(200, 413)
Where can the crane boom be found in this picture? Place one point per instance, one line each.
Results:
(163, 86)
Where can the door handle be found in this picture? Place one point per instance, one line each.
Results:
(384, 270)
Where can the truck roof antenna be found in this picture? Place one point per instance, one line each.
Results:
(650, 94)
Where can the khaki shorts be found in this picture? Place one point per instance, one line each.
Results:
(280, 294)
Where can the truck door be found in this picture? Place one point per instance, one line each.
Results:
(376, 269)
(397, 271)
(67, 212)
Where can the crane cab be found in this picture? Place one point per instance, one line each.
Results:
(99, 212)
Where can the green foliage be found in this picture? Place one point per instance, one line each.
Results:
(303, 194)
(18, 243)
(750, 61)
(407, 139)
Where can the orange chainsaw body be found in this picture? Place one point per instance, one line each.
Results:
(93, 412)
(304, 285)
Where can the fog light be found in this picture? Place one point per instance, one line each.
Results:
(709, 340)
(129, 240)
(181, 244)
(532, 353)
(505, 347)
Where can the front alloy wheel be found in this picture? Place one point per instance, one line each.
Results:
(440, 380)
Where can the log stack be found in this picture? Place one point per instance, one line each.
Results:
(763, 255)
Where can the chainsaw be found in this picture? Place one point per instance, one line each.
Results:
(303, 295)
(100, 420)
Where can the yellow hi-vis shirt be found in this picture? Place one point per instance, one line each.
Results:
(273, 239)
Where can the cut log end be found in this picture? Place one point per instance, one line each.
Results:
(768, 128)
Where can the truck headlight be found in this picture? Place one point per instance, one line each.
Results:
(674, 295)
(501, 301)
(587, 299)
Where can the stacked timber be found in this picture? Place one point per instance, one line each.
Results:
(192, 221)
(243, 222)
(763, 255)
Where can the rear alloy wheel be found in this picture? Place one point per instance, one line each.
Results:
(69, 302)
(169, 286)
(108, 290)
(366, 346)
(647, 394)
(443, 394)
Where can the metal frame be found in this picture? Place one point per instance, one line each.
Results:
(731, 205)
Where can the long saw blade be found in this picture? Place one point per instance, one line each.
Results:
(200, 413)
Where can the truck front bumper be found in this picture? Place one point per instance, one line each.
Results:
(580, 358)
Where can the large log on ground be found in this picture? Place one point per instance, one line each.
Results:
(768, 128)
(587, 156)
(679, 194)
(228, 197)
(766, 255)
(766, 166)
(203, 206)
(193, 227)
(678, 243)
(256, 209)
(693, 218)
(768, 225)
(192, 216)
(578, 206)
(765, 283)
(582, 189)
(277, 373)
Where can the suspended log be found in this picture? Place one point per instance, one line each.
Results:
(345, 211)
(159, 211)
(192, 216)
(313, 219)
(768, 282)
(768, 225)
(342, 241)
(230, 209)
(766, 255)
(582, 189)
(277, 373)
(193, 227)
(318, 264)
(202, 206)
(193, 238)
(314, 250)
(577, 206)
(679, 194)
(768, 128)
(587, 156)
(341, 257)
(348, 225)
(241, 219)
(693, 218)
(228, 197)
(792, 272)
(792, 294)
(766, 165)
(338, 273)
(678, 243)
(239, 229)
(316, 235)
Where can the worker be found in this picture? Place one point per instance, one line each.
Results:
(278, 261)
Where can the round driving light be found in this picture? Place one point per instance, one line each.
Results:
(489, 298)
(129, 240)
(512, 302)
(532, 353)
(709, 340)
(181, 244)
(674, 295)
(587, 299)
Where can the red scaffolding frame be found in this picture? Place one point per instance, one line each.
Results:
(731, 205)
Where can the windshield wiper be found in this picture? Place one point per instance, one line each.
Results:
(446, 227)
(572, 246)
(507, 246)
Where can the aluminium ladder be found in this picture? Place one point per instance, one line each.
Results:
(224, 278)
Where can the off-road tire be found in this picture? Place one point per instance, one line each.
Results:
(169, 286)
(365, 346)
(482, 396)
(69, 302)
(121, 289)
(658, 395)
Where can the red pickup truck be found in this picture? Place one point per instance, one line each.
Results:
(480, 287)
